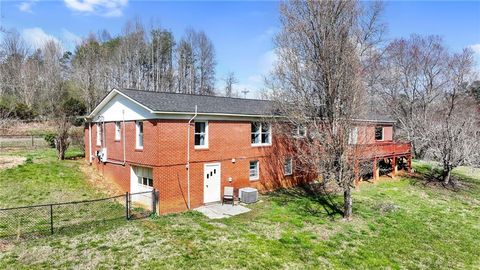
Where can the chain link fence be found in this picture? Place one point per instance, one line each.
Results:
(36, 220)
(22, 141)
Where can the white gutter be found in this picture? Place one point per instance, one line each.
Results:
(188, 157)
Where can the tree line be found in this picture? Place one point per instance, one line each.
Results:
(31, 80)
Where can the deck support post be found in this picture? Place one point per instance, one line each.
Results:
(394, 167)
(409, 159)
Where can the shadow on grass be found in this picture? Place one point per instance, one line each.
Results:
(308, 197)
(74, 156)
(432, 176)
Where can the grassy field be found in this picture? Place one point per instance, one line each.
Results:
(399, 223)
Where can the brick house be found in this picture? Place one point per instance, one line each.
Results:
(189, 147)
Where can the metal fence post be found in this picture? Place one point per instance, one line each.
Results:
(51, 218)
(32, 142)
(157, 202)
(126, 206)
(154, 201)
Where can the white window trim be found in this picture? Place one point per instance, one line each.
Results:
(353, 135)
(205, 146)
(99, 134)
(296, 133)
(260, 144)
(383, 133)
(257, 177)
(137, 133)
(291, 167)
(118, 135)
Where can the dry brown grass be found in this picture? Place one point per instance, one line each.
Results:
(10, 161)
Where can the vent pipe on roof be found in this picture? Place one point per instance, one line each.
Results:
(188, 157)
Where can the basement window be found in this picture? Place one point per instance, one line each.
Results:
(254, 170)
(287, 167)
(144, 176)
(117, 131)
(201, 134)
(139, 134)
(379, 133)
(261, 134)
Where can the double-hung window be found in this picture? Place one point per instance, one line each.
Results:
(144, 176)
(287, 167)
(99, 134)
(254, 170)
(299, 131)
(118, 130)
(201, 134)
(353, 136)
(139, 135)
(379, 133)
(261, 133)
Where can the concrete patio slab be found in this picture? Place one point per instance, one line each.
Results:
(217, 210)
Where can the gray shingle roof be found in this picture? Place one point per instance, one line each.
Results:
(175, 102)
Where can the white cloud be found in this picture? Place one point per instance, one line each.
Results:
(107, 8)
(267, 61)
(70, 39)
(26, 6)
(476, 48)
(36, 37)
(267, 35)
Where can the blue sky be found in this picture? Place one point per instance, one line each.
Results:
(241, 31)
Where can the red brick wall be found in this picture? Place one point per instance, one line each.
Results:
(165, 150)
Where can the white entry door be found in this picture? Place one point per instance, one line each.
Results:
(211, 183)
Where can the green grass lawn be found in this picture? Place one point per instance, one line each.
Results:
(398, 224)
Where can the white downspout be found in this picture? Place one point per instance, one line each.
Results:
(188, 157)
(90, 142)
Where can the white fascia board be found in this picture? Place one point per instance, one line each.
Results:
(109, 97)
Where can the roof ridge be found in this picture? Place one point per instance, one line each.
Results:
(187, 94)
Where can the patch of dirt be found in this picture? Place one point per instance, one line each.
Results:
(4, 245)
(10, 162)
(103, 183)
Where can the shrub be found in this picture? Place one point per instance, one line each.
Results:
(24, 112)
(50, 139)
(77, 136)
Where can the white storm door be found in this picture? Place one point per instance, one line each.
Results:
(211, 183)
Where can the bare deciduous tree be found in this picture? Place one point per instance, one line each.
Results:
(453, 131)
(413, 74)
(206, 64)
(230, 80)
(318, 83)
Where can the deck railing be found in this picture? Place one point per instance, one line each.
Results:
(383, 149)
